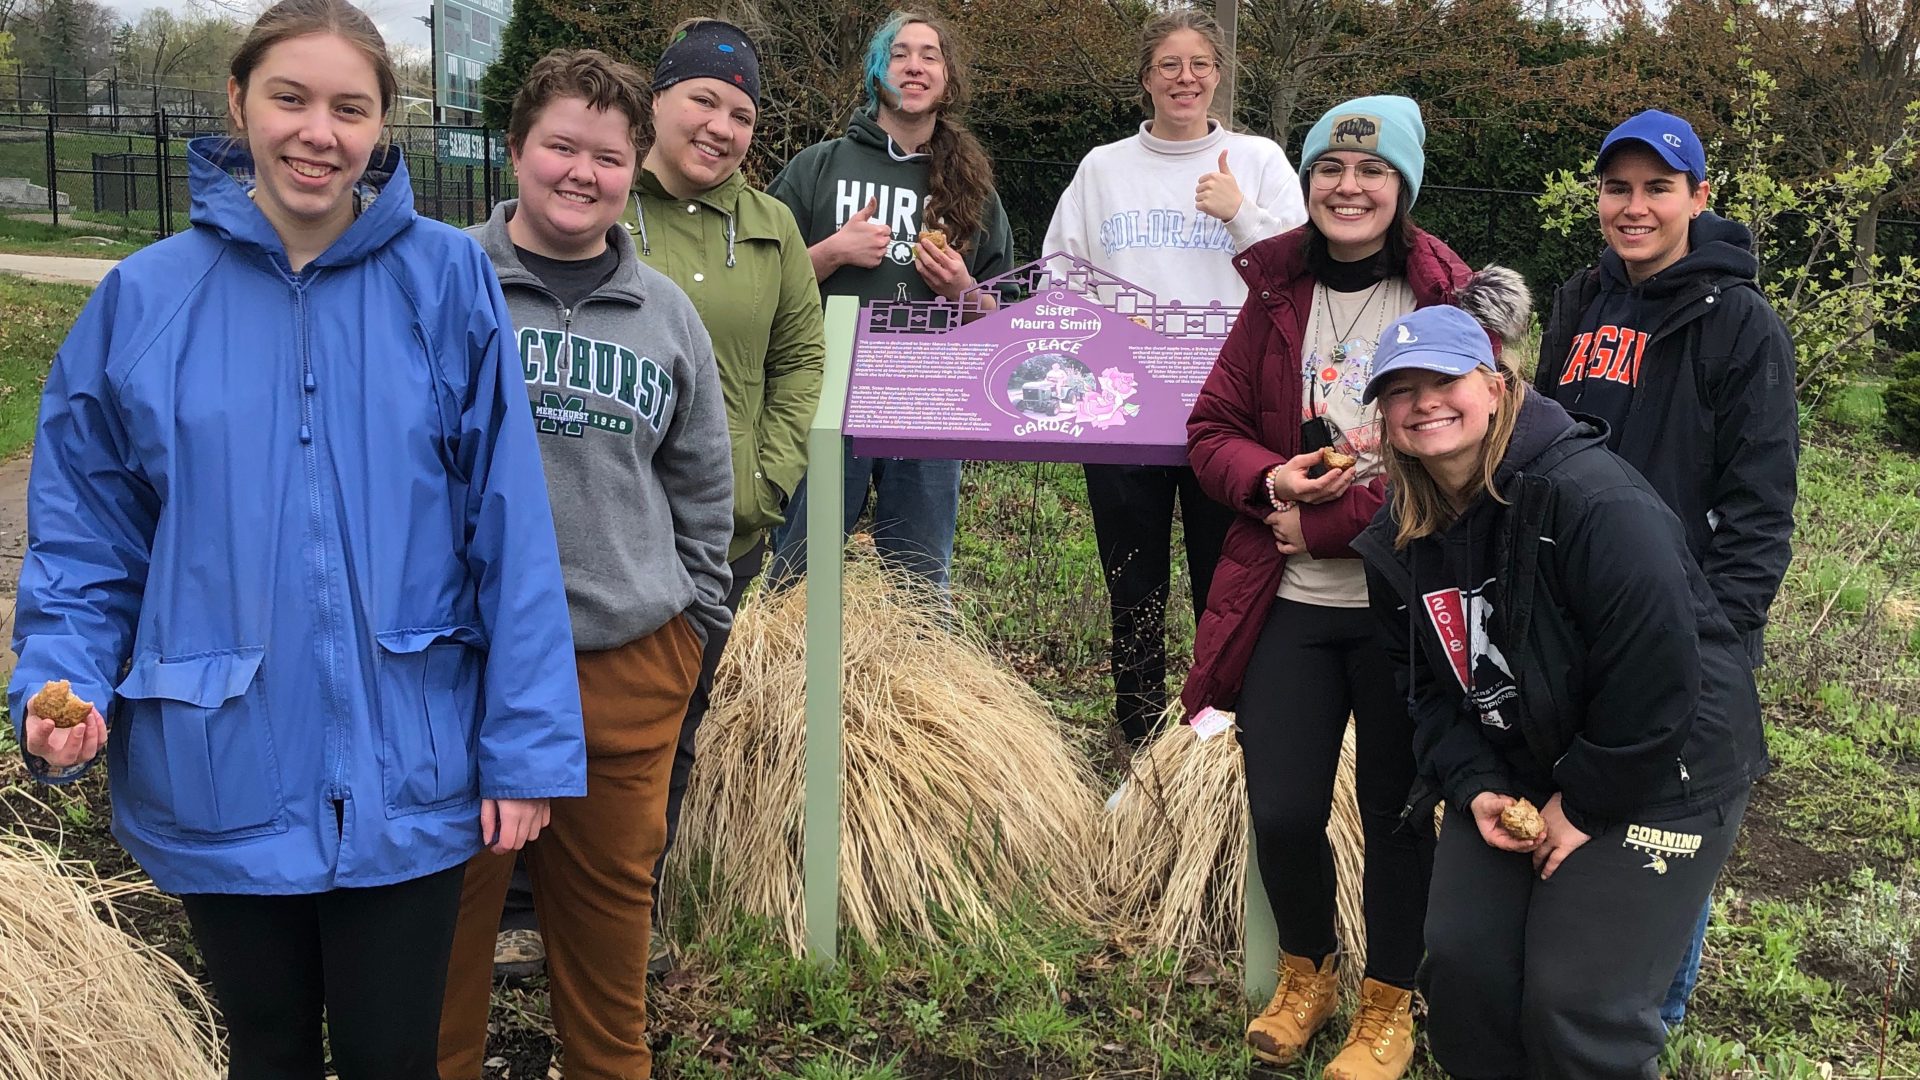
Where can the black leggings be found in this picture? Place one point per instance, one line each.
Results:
(1133, 526)
(373, 961)
(1311, 667)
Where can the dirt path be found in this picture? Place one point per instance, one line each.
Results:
(13, 545)
(58, 268)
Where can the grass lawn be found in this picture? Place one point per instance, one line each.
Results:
(34, 319)
(39, 238)
(1819, 897)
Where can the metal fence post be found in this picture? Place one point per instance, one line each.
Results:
(53, 173)
(163, 205)
(826, 552)
(486, 168)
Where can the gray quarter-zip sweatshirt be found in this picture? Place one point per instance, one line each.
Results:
(633, 432)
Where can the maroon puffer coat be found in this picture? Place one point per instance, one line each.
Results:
(1246, 421)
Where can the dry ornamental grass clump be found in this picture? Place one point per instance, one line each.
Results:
(960, 790)
(1177, 848)
(80, 997)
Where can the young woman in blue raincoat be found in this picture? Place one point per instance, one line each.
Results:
(288, 530)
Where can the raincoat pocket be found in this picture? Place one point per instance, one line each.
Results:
(429, 717)
(200, 757)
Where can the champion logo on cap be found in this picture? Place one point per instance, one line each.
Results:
(1667, 135)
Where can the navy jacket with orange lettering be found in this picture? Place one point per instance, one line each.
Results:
(1713, 423)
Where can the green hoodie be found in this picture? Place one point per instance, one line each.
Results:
(737, 253)
(828, 182)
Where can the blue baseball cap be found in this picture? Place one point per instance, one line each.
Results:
(1441, 338)
(1668, 135)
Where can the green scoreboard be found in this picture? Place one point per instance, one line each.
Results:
(469, 38)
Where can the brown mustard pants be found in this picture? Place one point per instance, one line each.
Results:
(592, 872)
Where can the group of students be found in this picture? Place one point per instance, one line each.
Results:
(1552, 591)
(400, 552)
(1567, 581)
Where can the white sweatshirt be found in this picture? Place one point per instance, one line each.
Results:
(1129, 211)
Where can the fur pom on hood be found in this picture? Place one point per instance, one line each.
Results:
(1499, 300)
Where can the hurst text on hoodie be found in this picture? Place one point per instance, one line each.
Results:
(829, 182)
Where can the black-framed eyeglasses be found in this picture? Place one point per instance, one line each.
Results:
(1171, 67)
(1370, 175)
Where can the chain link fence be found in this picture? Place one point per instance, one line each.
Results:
(89, 167)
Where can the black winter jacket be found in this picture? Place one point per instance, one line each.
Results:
(1634, 689)
(1713, 425)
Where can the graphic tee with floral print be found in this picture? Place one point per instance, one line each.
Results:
(1336, 362)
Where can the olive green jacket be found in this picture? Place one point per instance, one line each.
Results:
(738, 254)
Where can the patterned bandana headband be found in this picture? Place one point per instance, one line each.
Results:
(711, 50)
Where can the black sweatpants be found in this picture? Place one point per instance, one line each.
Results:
(1133, 526)
(371, 962)
(1562, 979)
(1311, 668)
(745, 569)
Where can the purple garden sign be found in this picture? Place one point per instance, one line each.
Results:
(1087, 367)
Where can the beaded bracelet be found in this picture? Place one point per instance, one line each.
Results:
(1280, 504)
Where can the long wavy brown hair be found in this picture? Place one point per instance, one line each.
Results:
(959, 172)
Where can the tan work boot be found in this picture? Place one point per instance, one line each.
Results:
(1301, 1006)
(1381, 1042)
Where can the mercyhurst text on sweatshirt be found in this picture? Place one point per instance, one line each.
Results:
(627, 403)
(1129, 210)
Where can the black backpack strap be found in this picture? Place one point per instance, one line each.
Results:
(1557, 337)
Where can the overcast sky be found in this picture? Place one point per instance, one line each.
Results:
(395, 17)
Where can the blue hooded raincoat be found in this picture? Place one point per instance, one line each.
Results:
(294, 528)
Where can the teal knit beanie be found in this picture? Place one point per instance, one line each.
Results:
(1387, 126)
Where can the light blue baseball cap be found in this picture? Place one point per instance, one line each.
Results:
(1441, 338)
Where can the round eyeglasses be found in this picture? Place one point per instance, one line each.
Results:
(1171, 67)
(1370, 175)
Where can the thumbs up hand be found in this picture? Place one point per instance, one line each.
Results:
(1218, 194)
(862, 241)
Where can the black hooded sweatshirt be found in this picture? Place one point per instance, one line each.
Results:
(1565, 641)
(1693, 373)
(828, 182)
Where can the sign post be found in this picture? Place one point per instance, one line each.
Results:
(826, 495)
